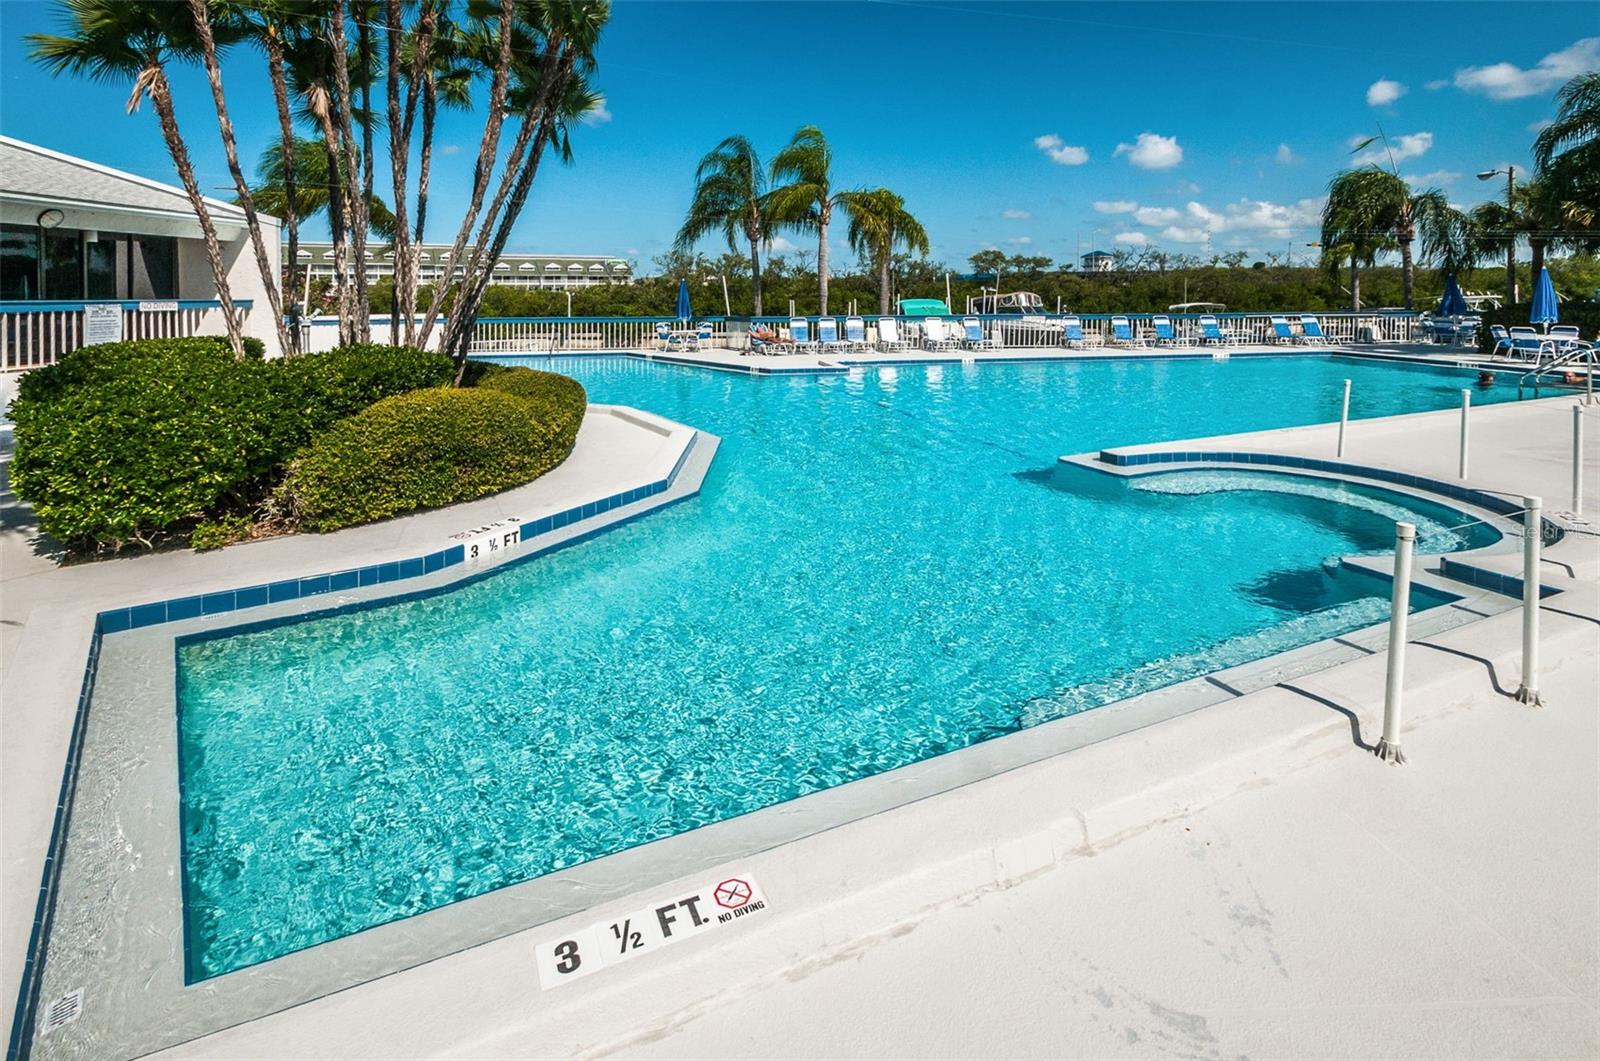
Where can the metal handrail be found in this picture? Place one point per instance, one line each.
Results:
(1570, 357)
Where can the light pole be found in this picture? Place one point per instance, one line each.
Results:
(727, 307)
(1511, 235)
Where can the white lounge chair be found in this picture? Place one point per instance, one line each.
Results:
(889, 340)
(855, 334)
(935, 337)
(800, 336)
(828, 336)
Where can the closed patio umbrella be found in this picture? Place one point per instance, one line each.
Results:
(1453, 304)
(683, 300)
(1545, 310)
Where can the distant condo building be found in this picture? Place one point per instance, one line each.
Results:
(512, 270)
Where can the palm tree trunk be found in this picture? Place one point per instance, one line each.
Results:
(230, 148)
(823, 217)
(488, 151)
(755, 274)
(161, 96)
(883, 283)
(1405, 232)
(338, 225)
(1355, 283)
(401, 276)
(368, 162)
(360, 323)
(291, 212)
(1536, 262)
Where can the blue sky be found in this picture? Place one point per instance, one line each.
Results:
(1038, 128)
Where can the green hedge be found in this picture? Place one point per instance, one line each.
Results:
(1586, 315)
(132, 441)
(431, 448)
(560, 399)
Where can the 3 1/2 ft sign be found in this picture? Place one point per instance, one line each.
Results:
(717, 904)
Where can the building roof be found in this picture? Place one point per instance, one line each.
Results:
(1098, 254)
(34, 173)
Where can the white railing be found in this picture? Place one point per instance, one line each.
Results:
(34, 334)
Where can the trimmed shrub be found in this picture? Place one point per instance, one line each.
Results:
(117, 442)
(560, 399)
(426, 449)
(127, 441)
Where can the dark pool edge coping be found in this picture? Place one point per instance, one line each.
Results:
(25, 1010)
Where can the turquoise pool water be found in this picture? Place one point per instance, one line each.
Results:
(880, 568)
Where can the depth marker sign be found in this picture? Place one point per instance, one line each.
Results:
(673, 919)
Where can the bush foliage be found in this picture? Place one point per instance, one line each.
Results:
(130, 442)
(434, 447)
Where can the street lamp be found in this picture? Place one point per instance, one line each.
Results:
(727, 307)
(1511, 235)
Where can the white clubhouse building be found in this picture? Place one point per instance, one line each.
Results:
(560, 271)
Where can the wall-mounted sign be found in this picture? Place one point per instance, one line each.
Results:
(102, 323)
(168, 306)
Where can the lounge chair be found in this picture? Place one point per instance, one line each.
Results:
(973, 338)
(665, 339)
(1283, 333)
(1166, 335)
(1072, 334)
(1529, 344)
(1211, 332)
(800, 335)
(1311, 329)
(1502, 340)
(934, 336)
(855, 334)
(828, 336)
(889, 340)
(700, 339)
(1566, 337)
(1122, 334)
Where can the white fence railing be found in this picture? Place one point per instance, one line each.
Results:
(33, 334)
(578, 334)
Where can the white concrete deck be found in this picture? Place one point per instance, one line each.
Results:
(1245, 879)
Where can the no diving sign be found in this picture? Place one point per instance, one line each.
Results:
(717, 904)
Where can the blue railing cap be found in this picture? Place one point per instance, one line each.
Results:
(67, 305)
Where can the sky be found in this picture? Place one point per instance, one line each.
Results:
(1038, 128)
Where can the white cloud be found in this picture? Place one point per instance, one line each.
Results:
(1016, 215)
(1434, 86)
(1410, 145)
(1188, 188)
(1509, 81)
(1185, 235)
(1116, 206)
(1132, 239)
(1020, 241)
(1060, 151)
(1383, 92)
(1539, 126)
(600, 115)
(1286, 155)
(1438, 176)
(1156, 216)
(779, 245)
(450, 149)
(1152, 151)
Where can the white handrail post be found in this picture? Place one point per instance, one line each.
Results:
(1344, 416)
(1532, 526)
(1466, 407)
(1577, 460)
(1388, 749)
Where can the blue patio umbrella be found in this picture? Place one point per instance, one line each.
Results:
(1544, 301)
(684, 310)
(1453, 304)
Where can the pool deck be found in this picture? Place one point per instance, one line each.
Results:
(1246, 878)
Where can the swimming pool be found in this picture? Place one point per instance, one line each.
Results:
(881, 567)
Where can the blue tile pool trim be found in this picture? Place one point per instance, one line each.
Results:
(177, 609)
(1483, 578)
(138, 616)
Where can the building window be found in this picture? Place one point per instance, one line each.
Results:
(19, 262)
(63, 263)
(100, 268)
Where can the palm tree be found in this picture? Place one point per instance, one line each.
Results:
(115, 40)
(1567, 151)
(804, 197)
(729, 189)
(879, 224)
(1450, 238)
(230, 28)
(1383, 204)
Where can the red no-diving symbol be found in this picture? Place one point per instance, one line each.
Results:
(732, 892)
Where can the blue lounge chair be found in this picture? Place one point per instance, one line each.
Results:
(828, 336)
(1312, 329)
(1502, 340)
(1282, 333)
(973, 337)
(665, 340)
(701, 337)
(1072, 334)
(1529, 344)
(855, 334)
(1211, 332)
(1166, 335)
(800, 335)
(1122, 333)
